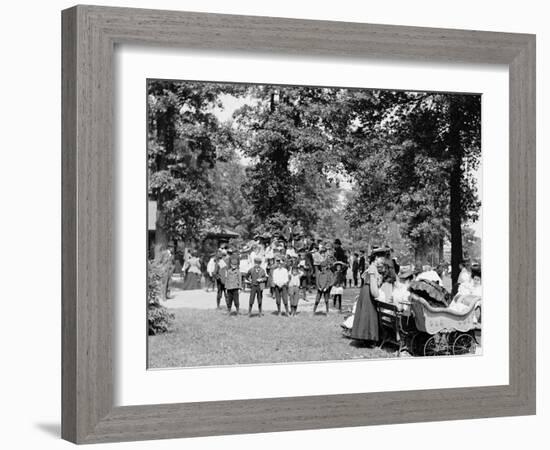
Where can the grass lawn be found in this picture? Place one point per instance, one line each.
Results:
(211, 337)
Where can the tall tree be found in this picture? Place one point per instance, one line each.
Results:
(184, 136)
(290, 161)
(408, 153)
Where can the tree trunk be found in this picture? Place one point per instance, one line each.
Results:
(161, 236)
(166, 129)
(441, 255)
(457, 154)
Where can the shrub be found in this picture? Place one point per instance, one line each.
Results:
(154, 282)
(158, 317)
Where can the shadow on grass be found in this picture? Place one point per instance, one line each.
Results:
(359, 343)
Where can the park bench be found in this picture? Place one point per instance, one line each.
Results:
(390, 323)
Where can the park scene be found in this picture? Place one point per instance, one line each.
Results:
(304, 223)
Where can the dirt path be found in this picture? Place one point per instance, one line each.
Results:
(200, 299)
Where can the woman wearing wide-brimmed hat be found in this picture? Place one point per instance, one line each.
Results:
(365, 321)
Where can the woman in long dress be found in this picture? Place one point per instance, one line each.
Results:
(365, 321)
(192, 273)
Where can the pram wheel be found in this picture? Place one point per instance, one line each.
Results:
(437, 345)
(464, 344)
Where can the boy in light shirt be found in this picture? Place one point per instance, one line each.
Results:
(280, 279)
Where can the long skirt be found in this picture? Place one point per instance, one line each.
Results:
(192, 281)
(365, 321)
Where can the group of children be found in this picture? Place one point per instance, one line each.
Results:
(288, 279)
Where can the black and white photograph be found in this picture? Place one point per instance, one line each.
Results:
(292, 224)
(266, 225)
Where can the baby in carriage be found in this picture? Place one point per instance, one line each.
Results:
(469, 293)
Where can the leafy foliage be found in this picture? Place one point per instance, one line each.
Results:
(288, 182)
(401, 159)
(185, 139)
(159, 319)
(471, 245)
(367, 166)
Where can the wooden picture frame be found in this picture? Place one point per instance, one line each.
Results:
(89, 37)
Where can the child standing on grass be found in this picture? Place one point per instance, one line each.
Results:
(339, 284)
(233, 284)
(280, 279)
(257, 278)
(324, 283)
(294, 289)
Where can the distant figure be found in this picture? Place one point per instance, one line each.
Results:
(210, 269)
(233, 284)
(361, 266)
(339, 252)
(310, 273)
(349, 276)
(291, 252)
(257, 278)
(306, 267)
(316, 258)
(193, 274)
(219, 276)
(269, 271)
(355, 268)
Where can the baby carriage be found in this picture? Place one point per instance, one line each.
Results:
(425, 324)
(442, 330)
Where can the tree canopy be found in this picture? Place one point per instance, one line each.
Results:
(361, 165)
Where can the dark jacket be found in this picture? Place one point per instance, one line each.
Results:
(362, 265)
(257, 276)
(232, 278)
(340, 254)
